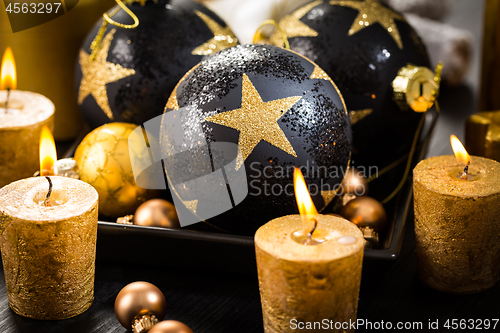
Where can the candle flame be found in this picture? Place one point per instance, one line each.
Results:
(304, 201)
(8, 73)
(459, 150)
(48, 155)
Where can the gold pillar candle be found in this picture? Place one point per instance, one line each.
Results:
(309, 283)
(20, 127)
(47, 56)
(482, 134)
(457, 224)
(48, 250)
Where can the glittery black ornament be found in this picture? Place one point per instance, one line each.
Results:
(135, 70)
(281, 110)
(362, 45)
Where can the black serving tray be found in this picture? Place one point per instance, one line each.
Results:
(213, 250)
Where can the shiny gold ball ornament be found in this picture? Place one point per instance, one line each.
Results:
(139, 306)
(365, 212)
(157, 213)
(104, 162)
(170, 326)
(354, 183)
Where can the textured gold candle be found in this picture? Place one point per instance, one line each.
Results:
(457, 224)
(48, 250)
(308, 283)
(20, 127)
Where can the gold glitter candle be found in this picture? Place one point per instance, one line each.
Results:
(309, 283)
(20, 127)
(48, 250)
(49, 52)
(482, 134)
(457, 224)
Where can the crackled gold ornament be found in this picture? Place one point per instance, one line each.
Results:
(48, 246)
(104, 162)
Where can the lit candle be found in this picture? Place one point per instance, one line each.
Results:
(48, 232)
(22, 116)
(309, 268)
(457, 221)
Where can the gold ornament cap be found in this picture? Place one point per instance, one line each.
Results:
(416, 87)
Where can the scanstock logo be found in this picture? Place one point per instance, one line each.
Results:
(30, 13)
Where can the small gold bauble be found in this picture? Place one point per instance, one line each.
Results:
(354, 183)
(139, 299)
(157, 213)
(365, 212)
(104, 162)
(170, 326)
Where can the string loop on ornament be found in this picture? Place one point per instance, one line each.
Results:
(107, 20)
(276, 25)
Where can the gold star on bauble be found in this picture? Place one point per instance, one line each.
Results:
(223, 37)
(256, 120)
(319, 74)
(292, 26)
(358, 115)
(371, 12)
(98, 73)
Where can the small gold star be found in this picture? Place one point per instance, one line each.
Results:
(223, 37)
(358, 115)
(292, 26)
(256, 120)
(329, 195)
(98, 73)
(371, 12)
(320, 74)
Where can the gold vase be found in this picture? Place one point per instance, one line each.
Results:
(46, 57)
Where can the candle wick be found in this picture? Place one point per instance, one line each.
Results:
(46, 201)
(466, 171)
(7, 101)
(310, 234)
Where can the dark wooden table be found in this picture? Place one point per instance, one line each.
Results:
(221, 302)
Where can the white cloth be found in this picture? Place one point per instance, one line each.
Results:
(245, 16)
(452, 45)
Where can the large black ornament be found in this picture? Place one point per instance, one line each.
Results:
(280, 110)
(363, 45)
(135, 70)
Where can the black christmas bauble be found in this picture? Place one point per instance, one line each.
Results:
(247, 116)
(135, 70)
(364, 46)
